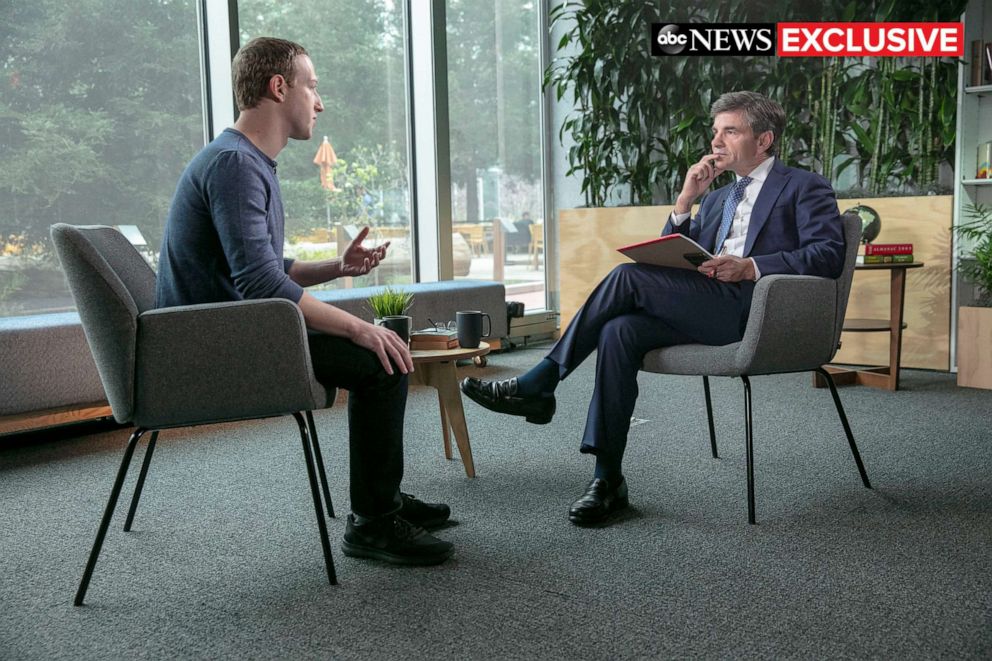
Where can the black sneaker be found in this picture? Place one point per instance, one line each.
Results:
(395, 540)
(425, 515)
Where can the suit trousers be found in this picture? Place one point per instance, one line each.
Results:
(637, 308)
(376, 406)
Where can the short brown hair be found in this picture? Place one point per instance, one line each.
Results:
(256, 62)
(761, 113)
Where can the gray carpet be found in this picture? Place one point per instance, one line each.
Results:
(224, 560)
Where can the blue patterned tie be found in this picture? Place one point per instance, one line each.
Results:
(729, 207)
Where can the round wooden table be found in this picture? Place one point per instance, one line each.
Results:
(436, 368)
(887, 376)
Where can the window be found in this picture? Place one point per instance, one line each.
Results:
(100, 110)
(358, 51)
(494, 100)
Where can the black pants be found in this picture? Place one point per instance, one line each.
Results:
(376, 406)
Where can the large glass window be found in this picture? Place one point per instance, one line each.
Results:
(100, 110)
(494, 98)
(358, 50)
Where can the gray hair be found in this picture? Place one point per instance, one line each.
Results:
(762, 114)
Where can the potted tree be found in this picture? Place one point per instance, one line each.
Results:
(975, 321)
(389, 309)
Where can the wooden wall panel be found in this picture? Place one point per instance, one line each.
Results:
(926, 343)
(590, 237)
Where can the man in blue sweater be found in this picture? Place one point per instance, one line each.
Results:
(224, 242)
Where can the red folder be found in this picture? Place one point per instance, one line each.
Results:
(675, 250)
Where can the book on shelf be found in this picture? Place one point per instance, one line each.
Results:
(885, 259)
(888, 249)
(976, 62)
(433, 338)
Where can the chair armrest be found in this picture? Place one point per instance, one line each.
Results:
(223, 361)
(791, 325)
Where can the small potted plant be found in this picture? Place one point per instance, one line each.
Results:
(389, 309)
(974, 355)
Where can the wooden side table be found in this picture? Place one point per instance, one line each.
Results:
(436, 368)
(886, 377)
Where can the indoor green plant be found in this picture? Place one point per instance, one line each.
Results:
(976, 266)
(637, 127)
(390, 302)
(974, 354)
(389, 307)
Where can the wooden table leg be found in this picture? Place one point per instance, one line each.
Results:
(896, 295)
(444, 378)
(445, 428)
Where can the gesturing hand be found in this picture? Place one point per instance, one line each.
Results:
(359, 260)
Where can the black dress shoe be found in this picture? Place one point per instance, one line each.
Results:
(502, 397)
(600, 500)
(425, 515)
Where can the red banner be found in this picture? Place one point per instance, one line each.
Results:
(870, 40)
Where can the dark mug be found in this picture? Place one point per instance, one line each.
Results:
(469, 324)
(399, 324)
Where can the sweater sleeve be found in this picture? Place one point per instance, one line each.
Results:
(240, 199)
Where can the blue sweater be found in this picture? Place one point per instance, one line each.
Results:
(224, 234)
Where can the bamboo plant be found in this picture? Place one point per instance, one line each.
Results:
(640, 121)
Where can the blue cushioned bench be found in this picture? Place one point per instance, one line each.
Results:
(47, 374)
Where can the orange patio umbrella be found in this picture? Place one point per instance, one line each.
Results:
(326, 158)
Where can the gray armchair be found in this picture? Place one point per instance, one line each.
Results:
(794, 326)
(189, 365)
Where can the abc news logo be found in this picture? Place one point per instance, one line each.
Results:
(713, 38)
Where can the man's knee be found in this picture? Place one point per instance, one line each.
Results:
(617, 336)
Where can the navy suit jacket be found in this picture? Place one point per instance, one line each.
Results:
(795, 226)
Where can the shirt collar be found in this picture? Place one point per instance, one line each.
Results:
(760, 173)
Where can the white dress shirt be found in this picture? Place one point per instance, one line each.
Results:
(737, 237)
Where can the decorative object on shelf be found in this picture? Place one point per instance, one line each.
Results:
(987, 67)
(976, 62)
(871, 222)
(984, 160)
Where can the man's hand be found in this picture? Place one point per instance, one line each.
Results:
(728, 268)
(359, 260)
(386, 344)
(697, 180)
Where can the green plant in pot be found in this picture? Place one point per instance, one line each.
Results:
(974, 354)
(976, 268)
(389, 307)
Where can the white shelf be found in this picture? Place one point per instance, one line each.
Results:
(978, 89)
(976, 182)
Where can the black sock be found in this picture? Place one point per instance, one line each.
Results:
(608, 468)
(541, 379)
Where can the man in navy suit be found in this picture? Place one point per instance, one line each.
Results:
(772, 219)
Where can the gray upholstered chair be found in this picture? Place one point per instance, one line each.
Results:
(794, 326)
(189, 365)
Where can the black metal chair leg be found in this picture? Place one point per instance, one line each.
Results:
(749, 448)
(709, 415)
(847, 427)
(321, 524)
(108, 513)
(141, 481)
(320, 464)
